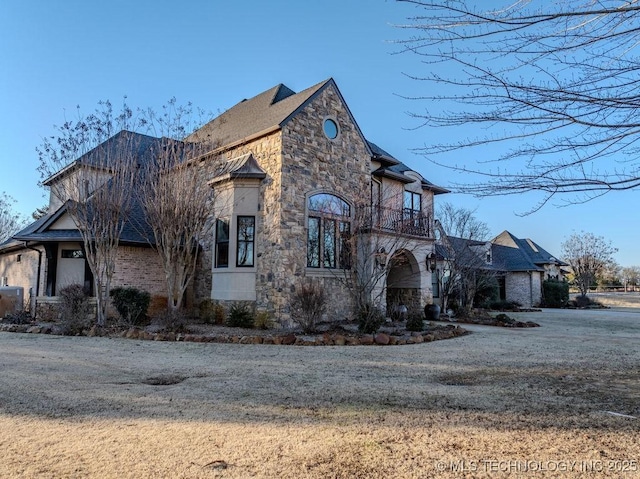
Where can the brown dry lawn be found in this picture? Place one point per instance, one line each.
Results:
(534, 402)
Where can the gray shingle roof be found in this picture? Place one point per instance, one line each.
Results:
(534, 253)
(243, 166)
(508, 253)
(135, 230)
(139, 146)
(250, 118)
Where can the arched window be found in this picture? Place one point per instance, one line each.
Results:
(329, 232)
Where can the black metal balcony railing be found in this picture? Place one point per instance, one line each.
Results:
(408, 222)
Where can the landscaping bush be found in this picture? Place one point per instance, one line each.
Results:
(370, 319)
(582, 301)
(555, 293)
(172, 321)
(487, 294)
(308, 304)
(74, 309)
(132, 304)
(240, 315)
(504, 305)
(263, 320)
(415, 321)
(18, 317)
(212, 312)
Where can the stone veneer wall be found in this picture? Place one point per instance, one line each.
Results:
(313, 163)
(300, 160)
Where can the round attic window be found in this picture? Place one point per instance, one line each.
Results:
(330, 129)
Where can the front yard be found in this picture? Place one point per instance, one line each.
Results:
(501, 402)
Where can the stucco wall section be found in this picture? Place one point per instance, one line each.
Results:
(22, 273)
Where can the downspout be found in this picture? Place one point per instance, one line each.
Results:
(26, 245)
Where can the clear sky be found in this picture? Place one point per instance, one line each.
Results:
(55, 55)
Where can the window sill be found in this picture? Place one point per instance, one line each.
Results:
(326, 272)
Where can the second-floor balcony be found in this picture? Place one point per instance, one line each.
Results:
(399, 221)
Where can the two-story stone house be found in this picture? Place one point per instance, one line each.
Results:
(300, 195)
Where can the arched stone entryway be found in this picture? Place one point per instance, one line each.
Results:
(403, 283)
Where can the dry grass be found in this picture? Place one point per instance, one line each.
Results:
(617, 300)
(96, 407)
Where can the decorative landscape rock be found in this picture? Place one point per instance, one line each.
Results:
(390, 337)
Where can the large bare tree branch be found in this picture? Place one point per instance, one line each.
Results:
(557, 82)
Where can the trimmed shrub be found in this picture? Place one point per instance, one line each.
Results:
(240, 315)
(555, 293)
(263, 320)
(132, 304)
(74, 309)
(212, 312)
(415, 321)
(370, 319)
(308, 304)
(487, 294)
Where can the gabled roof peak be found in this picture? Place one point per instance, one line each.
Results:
(259, 115)
(282, 92)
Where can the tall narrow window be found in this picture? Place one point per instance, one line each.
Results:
(313, 243)
(412, 204)
(246, 235)
(376, 203)
(412, 212)
(222, 244)
(329, 244)
(435, 284)
(344, 250)
(328, 233)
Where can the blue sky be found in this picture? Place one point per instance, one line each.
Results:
(57, 55)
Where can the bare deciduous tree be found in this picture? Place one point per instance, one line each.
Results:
(378, 242)
(588, 255)
(176, 196)
(464, 240)
(90, 164)
(10, 221)
(630, 277)
(557, 82)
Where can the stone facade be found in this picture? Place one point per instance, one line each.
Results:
(299, 161)
(282, 134)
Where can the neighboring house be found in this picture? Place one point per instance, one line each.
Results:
(295, 182)
(523, 265)
(520, 265)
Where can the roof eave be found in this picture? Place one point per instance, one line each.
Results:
(385, 173)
